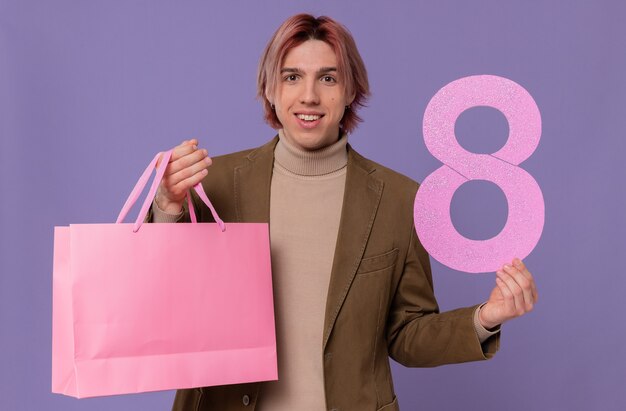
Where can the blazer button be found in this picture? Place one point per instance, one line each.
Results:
(246, 400)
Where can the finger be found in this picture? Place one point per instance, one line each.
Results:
(158, 163)
(526, 299)
(183, 150)
(191, 142)
(516, 290)
(523, 278)
(188, 171)
(198, 159)
(507, 296)
(519, 264)
(185, 185)
(184, 143)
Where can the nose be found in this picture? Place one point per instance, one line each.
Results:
(310, 93)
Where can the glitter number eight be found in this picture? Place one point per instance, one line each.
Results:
(525, 201)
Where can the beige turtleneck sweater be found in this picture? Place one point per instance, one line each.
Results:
(305, 208)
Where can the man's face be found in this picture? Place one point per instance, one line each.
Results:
(309, 100)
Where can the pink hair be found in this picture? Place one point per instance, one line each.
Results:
(295, 31)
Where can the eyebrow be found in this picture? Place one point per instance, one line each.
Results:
(296, 70)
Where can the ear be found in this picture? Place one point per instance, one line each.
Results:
(269, 96)
(350, 98)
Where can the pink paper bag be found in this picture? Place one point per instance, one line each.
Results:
(163, 307)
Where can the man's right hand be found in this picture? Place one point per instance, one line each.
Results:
(187, 167)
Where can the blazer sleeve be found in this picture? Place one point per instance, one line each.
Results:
(418, 335)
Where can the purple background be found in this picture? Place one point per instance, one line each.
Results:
(90, 90)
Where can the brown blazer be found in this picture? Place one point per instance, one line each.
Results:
(380, 298)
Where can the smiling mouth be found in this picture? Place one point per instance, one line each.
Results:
(309, 117)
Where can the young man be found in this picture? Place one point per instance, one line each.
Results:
(352, 283)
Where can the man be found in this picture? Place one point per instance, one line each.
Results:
(352, 283)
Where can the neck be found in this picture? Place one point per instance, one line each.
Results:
(319, 162)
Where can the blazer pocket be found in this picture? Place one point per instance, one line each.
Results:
(378, 262)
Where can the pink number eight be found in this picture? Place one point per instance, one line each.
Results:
(525, 201)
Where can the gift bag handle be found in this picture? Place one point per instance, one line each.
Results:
(141, 184)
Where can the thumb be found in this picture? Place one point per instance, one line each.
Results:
(159, 160)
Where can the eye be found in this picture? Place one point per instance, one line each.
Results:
(291, 78)
(328, 79)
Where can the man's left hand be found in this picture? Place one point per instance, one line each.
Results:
(514, 295)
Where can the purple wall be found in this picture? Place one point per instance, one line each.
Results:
(90, 90)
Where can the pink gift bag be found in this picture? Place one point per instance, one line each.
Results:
(161, 306)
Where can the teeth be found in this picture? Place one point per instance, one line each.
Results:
(308, 117)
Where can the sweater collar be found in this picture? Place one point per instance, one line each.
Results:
(311, 163)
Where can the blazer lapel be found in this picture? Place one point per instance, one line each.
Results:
(360, 203)
(252, 185)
